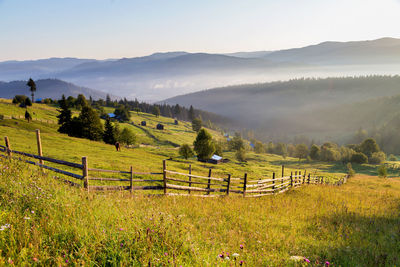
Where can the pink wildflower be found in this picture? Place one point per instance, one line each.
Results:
(166, 254)
(241, 263)
(327, 263)
(306, 260)
(121, 245)
(35, 259)
(121, 229)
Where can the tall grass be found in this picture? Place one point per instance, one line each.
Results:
(50, 223)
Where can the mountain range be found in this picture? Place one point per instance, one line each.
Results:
(48, 88)
(163, 75)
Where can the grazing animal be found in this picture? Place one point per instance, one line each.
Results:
(117, 146)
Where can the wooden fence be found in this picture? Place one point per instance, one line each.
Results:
(166, 182)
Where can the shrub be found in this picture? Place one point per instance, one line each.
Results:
(236, 143)
(186, 151)
(127, 136)
(359, 158)
(301, 151)
(377, 158)
(196, 124)
(369, 146)
(392, 157)
(259, 147)
(350, 170)
(382, 171)
(241, 155)
(28, 102)
(18, 99)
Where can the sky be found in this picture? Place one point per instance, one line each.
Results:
(34, 29)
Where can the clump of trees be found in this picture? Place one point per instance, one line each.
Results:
(196, 124)
(88, 125)
(22, 100)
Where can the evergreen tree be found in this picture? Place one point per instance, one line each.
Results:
(27, 102)
(196, 124)
(191, 114)
(91, 126)
(32, 88)
(204, 145)
(108, 136)
(81, 102)
(156, 111)
(65, 117)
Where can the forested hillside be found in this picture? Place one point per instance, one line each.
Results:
(323, 109)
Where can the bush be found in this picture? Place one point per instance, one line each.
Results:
(186, 151)
(28, 102)
(350, 170)
(392, 157)
(301, 151)
(359, 158)
(377, 158)
(127, 136)
(18, 99)
(382, 171)
(241, 155)
(196, 124)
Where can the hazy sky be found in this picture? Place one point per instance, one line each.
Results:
(32, 29)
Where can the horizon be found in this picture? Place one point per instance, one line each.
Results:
(119, 29)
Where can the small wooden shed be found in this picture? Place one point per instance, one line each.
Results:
(215, 159)
(160, 126)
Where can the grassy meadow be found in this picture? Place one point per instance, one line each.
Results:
(47, 223)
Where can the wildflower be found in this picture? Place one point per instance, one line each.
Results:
(221, 255)
(327, 263)
(166, 254)
(32, 212)
(235, 255)
(296, 258)
(121, 229)
(66, 260)
(35, 259)
(10, 261)
(27, 218)
(241, 263)
(306, 260)
(4, 227)
(227, 258)
(241, 246)
(121, 245)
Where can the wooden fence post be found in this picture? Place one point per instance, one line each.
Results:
(299, 178)
(131, 172)
(295, 176)
(273, 181)
(309, 177)
(244, 185)
(209, 181)
(39, 145)
(190, 177)
(291, 179)
(8, 146)
(165, 176)
(283, 170)
(304, 176)
(322, 180)
(228, 185)
(85, 173)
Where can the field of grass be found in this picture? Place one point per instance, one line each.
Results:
(148, 157)
(45, 223)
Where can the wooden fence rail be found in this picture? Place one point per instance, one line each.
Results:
(171, 182)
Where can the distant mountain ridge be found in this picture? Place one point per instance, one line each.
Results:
(163, 75)
(48, 88)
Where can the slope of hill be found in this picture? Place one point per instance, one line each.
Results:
(321, 108)
(48, 88)
(164, 75)
(46, 222)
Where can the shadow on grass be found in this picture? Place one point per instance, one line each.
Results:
(358, 240)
